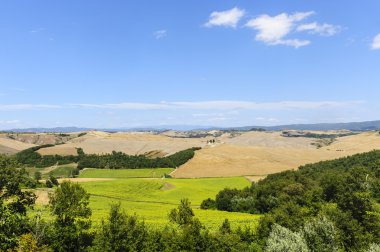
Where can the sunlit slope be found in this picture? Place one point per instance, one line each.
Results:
(246, 155)
(152, 199)
(11, 146)
(131, 143)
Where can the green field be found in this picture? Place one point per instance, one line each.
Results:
(59, 171)
(125, 173)
(152, 198)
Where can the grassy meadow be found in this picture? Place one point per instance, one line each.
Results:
(152, 198)
(125, 173)
(59, 171)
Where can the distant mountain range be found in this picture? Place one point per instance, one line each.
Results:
(353, 126)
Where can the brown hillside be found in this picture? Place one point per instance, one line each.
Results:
(256, 154)
(131, 143)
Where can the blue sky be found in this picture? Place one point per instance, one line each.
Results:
(223, 63)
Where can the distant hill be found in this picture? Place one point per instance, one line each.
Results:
(49, 130)
(354, 126)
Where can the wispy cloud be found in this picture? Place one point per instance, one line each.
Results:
(160, 34)
(2, 122)
(37, 30)
(223, 105)
(321, 29)
(273, 30)
(376, 42)
(228, 18)
(126, 106)
(6, 107)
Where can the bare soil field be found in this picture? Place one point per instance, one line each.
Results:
(131, 143)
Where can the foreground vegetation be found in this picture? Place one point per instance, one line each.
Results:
(336, 200)
(70, 227)
(328, 206)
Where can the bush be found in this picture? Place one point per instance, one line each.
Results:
(53, 180)
(208, 204)
(320, 235)
(37, 175)
(49, 184)
(282, 239)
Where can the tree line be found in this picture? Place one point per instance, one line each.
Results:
(115, 160)
(340, 199)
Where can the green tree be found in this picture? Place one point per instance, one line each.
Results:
(183, 215)
(224, 198)
(120, 232)
(69, 204)
(49, 184)
(283, 240)
(13, 203)
(37, 175)
(226, 227)
(320, 235)
(208, 204)
(53, 180)
(374, 248)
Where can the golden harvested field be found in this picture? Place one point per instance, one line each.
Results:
(251, 154)
(7, 150)
(232, 154)
(11, 146)
(96, 142)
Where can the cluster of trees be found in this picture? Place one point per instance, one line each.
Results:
(115, 160)
(31, 157)
(119, 160)
(344, 193)
(316, 135)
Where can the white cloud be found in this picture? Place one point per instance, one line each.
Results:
(321, 29)
(376, 42)
(160, 34)
(272, 30)
(292, 42)
(229, 18)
